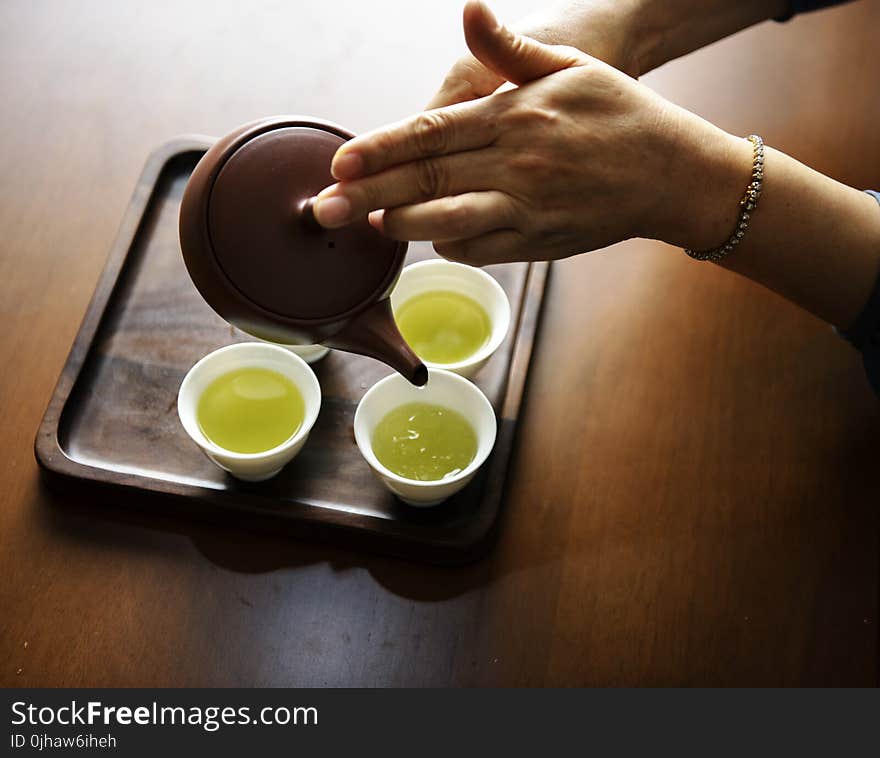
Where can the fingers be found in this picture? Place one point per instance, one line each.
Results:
(449, 218)
(499, 246)
(446, 130)
(409, 183)
(514, 57)
(467, 80)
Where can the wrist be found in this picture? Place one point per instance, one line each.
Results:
(627, 40)
(714, 206)
(706, 181)
(605, 29)
(649, 26)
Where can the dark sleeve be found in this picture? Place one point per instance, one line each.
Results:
(802, 6)
(864, 334)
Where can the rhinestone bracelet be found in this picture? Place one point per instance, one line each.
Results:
(746, 206)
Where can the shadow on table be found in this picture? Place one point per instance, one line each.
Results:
(84, 513)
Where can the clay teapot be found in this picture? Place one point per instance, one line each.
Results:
(257, 255)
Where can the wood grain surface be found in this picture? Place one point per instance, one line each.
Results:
(694, 493)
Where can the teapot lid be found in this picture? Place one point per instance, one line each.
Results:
(251, 243)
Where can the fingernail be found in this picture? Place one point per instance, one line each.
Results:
(332, 211)
(347, 166)
(377, 220)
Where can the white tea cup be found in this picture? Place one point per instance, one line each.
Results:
(445, 389)
(438, 275)
(252, 467)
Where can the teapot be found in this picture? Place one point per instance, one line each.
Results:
(259, 258)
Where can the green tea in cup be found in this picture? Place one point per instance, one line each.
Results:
(250, 410)
(424, 442)
(443, 326)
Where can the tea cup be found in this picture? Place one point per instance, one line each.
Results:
(252, 467)
(438, 275)
(446, 389)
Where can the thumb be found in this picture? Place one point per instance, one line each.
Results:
(467, 80)
(517, 58)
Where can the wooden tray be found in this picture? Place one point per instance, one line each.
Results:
(112, 419)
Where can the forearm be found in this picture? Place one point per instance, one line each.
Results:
(639, 35)
(811, 239)
(668, 29)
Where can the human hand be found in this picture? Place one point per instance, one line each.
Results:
(577, 157)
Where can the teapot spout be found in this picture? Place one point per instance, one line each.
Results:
(373, 333)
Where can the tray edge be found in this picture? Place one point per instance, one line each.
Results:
(48, 452)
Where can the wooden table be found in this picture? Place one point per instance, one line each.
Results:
(694, 497)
